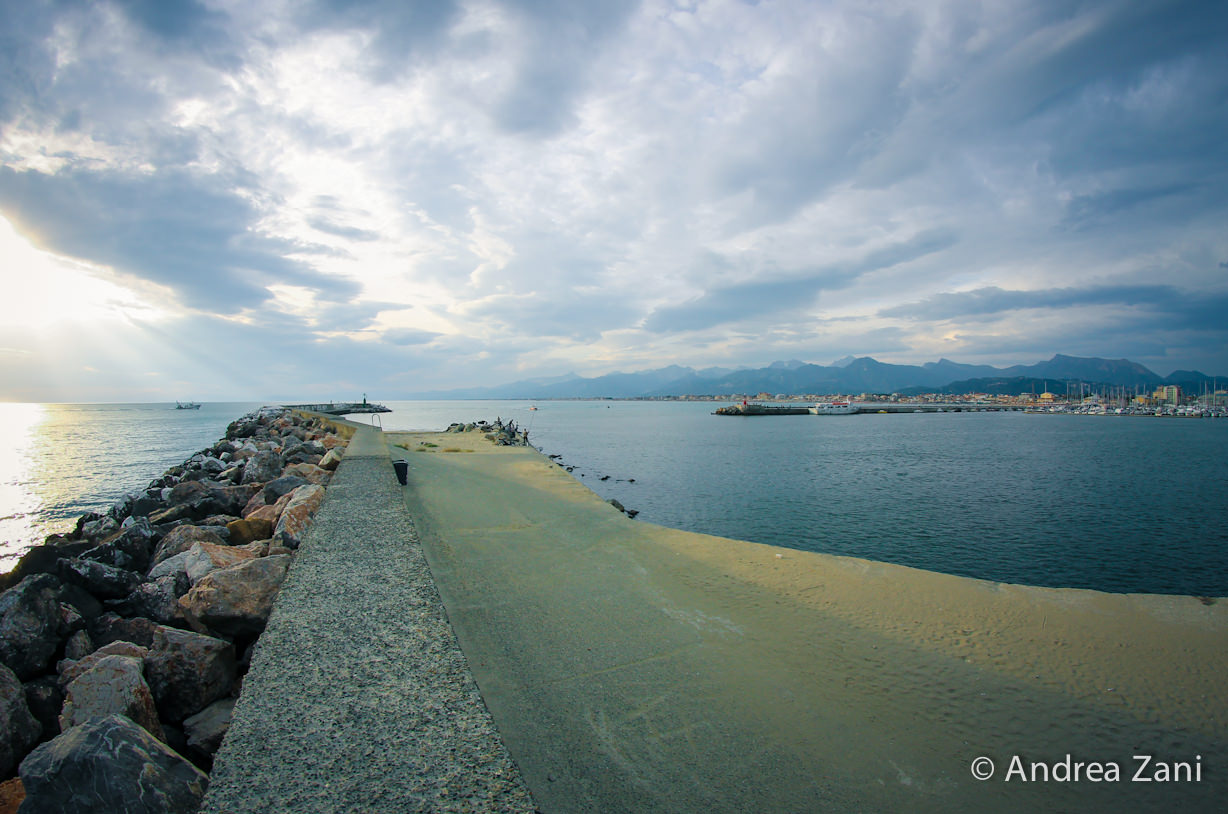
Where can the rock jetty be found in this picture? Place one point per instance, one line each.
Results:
(504, 435)
(124, 644)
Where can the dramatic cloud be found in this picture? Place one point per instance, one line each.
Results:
(396, 197)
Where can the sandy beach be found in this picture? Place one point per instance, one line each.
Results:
(634, 667)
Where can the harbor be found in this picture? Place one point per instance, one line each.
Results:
(853, 408)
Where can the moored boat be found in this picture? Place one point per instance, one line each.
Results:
(833, 408)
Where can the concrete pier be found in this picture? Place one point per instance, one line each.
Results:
(358, 698)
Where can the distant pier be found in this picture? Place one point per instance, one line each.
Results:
(342, 407)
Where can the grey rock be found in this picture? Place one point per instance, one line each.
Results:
(102, 580)
(170, 566)
(109, 765)
(188, 671)
(274, 489)
(157, 599)
(113, 685)
(70, 669)
(207, 728)
(265, 466)
(19, 730)
(45, 700)
(78, 646)
(111, 627)
(29, 625)
(130, 550)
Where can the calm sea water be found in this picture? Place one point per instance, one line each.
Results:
(1112, 503)
(59, 461)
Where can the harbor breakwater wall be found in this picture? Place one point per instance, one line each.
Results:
(124, 644)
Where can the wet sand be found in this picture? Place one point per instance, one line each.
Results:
(631, 667)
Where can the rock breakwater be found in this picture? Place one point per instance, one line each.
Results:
(124, 644)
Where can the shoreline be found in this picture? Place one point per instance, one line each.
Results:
(872, 682)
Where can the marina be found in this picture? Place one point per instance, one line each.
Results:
(852, 408)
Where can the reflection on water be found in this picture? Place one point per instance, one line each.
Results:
(63, 460)
(20, 495)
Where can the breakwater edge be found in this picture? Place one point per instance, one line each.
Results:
(124, 643)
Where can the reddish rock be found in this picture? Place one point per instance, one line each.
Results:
(114, 685)
(309, 472)
(259, 548)
(188, 671)
(204, 558)
(296, 518)
(12, 793)
(271, 513)
(249, 530)
(237, 600)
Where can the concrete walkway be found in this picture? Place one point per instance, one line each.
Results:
(358, 698)
(633, 668)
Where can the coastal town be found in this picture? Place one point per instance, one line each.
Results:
(1165, 401)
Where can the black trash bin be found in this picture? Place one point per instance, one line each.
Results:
(402, 468)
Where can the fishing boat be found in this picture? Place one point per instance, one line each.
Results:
(187, 405)
(833, 408)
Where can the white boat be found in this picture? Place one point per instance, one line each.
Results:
(833, 408)
(187, 405)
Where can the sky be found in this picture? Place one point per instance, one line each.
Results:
(265, 199)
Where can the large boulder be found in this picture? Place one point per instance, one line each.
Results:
(237, 600)
(181, 538)
(130, 549)
(108, 765)
(262, 467)
(19, 729)
(188, 671)
(296, 518)
(111, 627)
(332, 459)
(71, 669)
(157, 599)
(274, 489)
(113, 685)
(309, 472)
(247, 531)
(29, 625)
(102, 580)
(270, 513)
(204, 558)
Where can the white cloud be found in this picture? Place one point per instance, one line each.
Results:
(499, 187)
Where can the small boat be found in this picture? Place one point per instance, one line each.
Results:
(833, 408)
(187, 405)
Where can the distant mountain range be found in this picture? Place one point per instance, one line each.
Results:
(849, 375)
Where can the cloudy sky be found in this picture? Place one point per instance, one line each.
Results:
(268, 199)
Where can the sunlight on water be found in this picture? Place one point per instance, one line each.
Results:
(19, 498)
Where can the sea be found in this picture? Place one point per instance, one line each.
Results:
(1112, 503)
